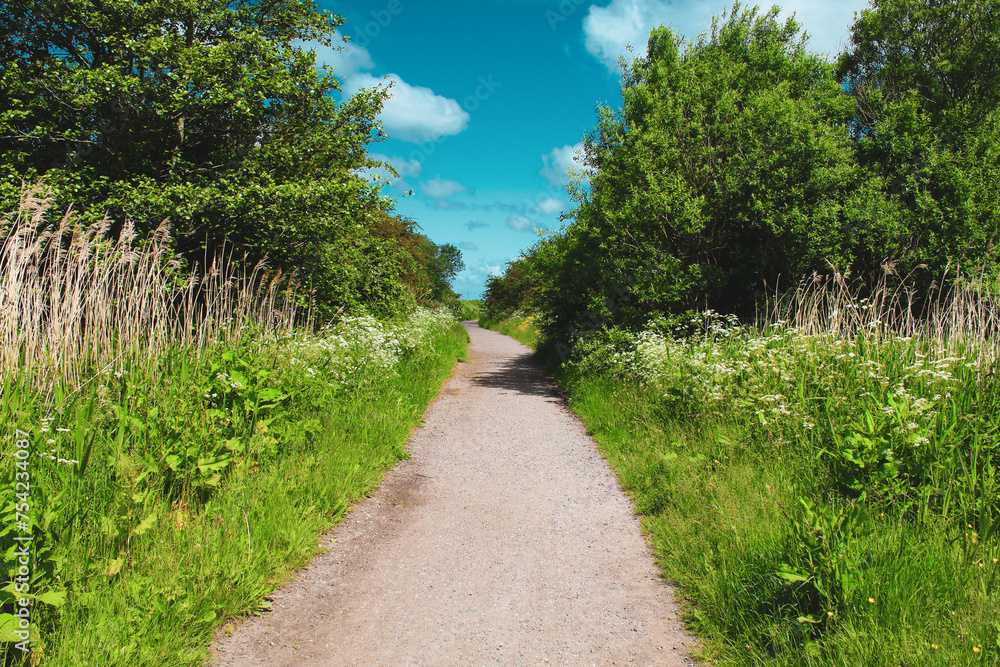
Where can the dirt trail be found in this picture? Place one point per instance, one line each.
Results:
(504, 540)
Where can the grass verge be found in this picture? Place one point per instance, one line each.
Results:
(176, 439)
(167, 501)
(823, 495)
(725, 514)
(519, 326)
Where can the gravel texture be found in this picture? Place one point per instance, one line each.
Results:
(504, 540)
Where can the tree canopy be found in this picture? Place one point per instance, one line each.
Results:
(211, 113)
(742, 161)
(727, 167)
(925, 77)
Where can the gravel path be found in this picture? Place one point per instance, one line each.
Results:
(504, 540)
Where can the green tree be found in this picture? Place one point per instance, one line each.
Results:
(209, 112)
(444, 263)
(514, 290)
(728, 167)
(925, 77)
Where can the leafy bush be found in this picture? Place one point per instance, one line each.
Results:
(471, 309)
(212, 115)
(727, 167)
(742, 159)
(926, 127)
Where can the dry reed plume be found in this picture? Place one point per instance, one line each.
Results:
(74, 301)
(962, 319)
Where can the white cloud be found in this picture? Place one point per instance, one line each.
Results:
(827, 23)
(345, 61)
(468, 245)
(485, 269)
(439, 188)
(550, 206)
(411, 167)
(519, 223)
(608, 29)
(412, 113)
(472, 281)
(475, 224)
(557, 163)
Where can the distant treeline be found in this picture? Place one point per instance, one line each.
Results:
(742, 162)
(211, 113)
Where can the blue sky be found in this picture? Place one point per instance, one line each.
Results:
(492, 97)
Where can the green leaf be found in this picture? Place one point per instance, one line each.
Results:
(145, 524)
(54, 598)
(213, 464)
(8, 624)
(790, 575)
(272, 395)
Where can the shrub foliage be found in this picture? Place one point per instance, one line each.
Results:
(212, 114)
(742, 161)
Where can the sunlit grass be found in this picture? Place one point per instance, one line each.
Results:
(187, 442)
(151, 580)
(522, 327)
(210, 479)
(824, 493)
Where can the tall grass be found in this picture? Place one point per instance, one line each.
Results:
(824, 485)
(187, 441)
(153, 576)
(74, 300)
(960, 318)
(520, 326)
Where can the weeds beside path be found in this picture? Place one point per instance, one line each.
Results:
(181, 493)
(823, 488)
